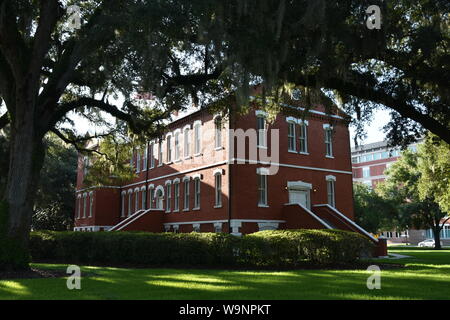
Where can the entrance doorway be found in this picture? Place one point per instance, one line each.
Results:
(300, 196)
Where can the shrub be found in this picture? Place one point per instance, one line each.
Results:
(261, 249)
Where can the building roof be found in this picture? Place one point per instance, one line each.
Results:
(370, 146)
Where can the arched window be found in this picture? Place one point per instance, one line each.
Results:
(328, 131)
(291, 136)
(169, 148)
(160, 153)
(331, 190)
(122, 212)
(261, 127)
(79, 207)
(168, 195)
(262, 186)
(186, 181)
(187, 141)
(196, 192)
(91, 203)
(159, 195)
(84, 204)
(177, 145)
(130, 197)
(151, 191)
(218, 132)
(218, 188)
(303, 136)
(197, 137)
(176, 195)
(144, 198)
(136, 199)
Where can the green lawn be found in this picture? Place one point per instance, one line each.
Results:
(426, 276)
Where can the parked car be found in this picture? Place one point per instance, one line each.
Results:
(427, 243)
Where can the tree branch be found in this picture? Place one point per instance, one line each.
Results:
(49, 12)
(370, 93)
(75, 143)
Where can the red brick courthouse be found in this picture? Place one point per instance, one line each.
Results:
(195, 178)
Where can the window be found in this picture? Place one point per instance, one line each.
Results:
(217, 227)
(144, 197)
(331, 191)
(145, 159)
(160, 153)
(136, 200)
(79, 207)
(366, 172)
(262, 131)
(84, 205)
(159, 198)
(196, 193)
(354, 159)
(176, 195)
(168, 196)
(169, 148)
(187, 142)
(197, 133)
(303, 138)
(177, 146)
(262, 189)
(151, 190)
(218, 132)
(138, 162)
(151, 155)
(328, 141)
(130, 196)
(186, 194)
(122, 212)
(218, 189)
(91, 203)
(291, 136)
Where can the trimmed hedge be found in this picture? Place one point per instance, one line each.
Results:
(261, 249)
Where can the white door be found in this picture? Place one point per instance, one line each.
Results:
(299, 196)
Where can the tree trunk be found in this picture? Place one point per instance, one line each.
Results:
(437, 237)
(26, 160)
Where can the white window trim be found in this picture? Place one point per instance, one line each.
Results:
(328, 128)
(168, 199)
(263, 172)
(199, 151)
(177, 133)
(186, 208)
(187, 153)
(160, 153)
(176, 198)
(304, 123)
(145, 158)
(197, 205)
(91, 203)
(218, 172)
(263, 115)
(152, 154)
(169, 148)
